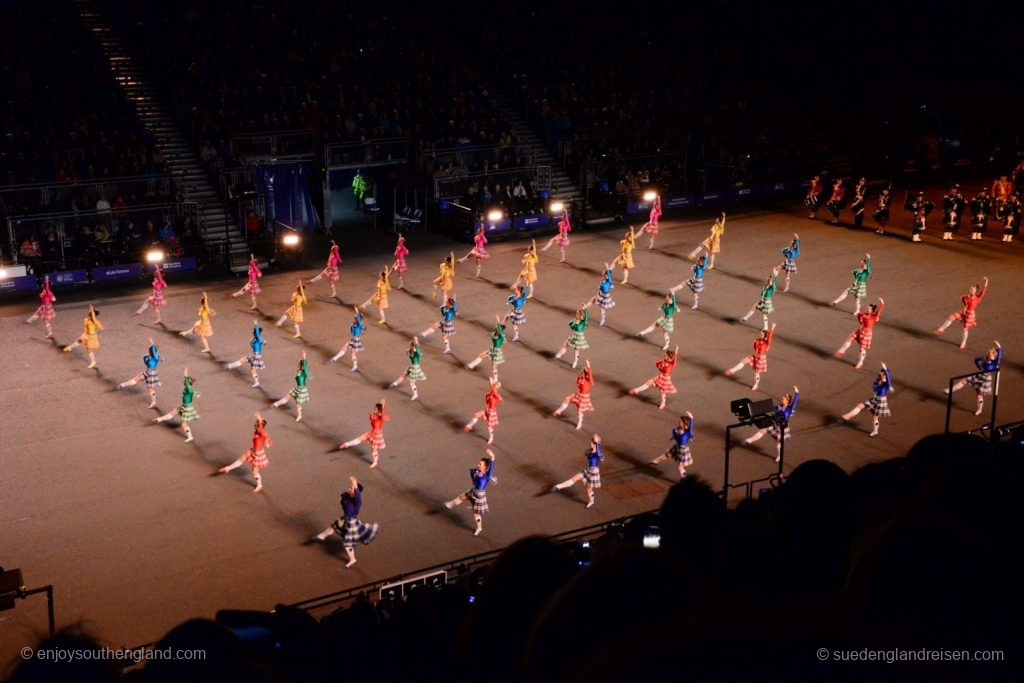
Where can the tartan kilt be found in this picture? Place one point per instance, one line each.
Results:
(581, 401)
(479, 499)
(187, 413)
(491, 417)
(968, 318)
(577, 341)
(480, 252)
(652, 227)
(878, 406)
(681, 454)
(294, 314)
(204, 328)
(696, 284)
(400, 266)
(47, 312)
(156, 299)
(667, 323)
(715, 244)
(151, 378)
(258, 459)
(528, 275)
(496, 355)
(759, 362)
(775, 433)
(604, 300)
(863, 338)
(332, 275)
(625, 260)
(591, 477)
(789, 265)
(355, 344)
(664, 383)
(377, 438)
(381, 301)
(91, 342)
(448, 327)
(415, 373)
(859, 289)
(300, 394)
(812, 201)
(253, 287)
(562, 239)
(255, 361)
(353, 531)
(982, 382)
(765, 306)
(517, 316)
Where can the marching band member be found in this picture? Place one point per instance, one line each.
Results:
(90, 337)
(255, 357)
(859, 201)
(355, 344)
(256, 456)
(813, 198)
(953, 204)
(864, 333)
(859, 288)
(253, 284)
(881, 215)
(1011, 217)
(682, 435)
(920, 208)
(878, 404)
(156, 299)
(580, 399)
(836, 201)
(981, 208)
(1001, 190)
(45, 310)
(294, 312)
(982, 381)
(590, 475)
(968, 315)
(150, 375)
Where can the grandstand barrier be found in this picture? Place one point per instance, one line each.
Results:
(18, 283)
(294, 144)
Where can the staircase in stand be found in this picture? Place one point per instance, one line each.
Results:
(216, 223)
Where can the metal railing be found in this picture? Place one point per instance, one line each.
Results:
(774, 478)
(274, 143)
(468, 154)
(16, 198)
(993, 404)
(377, 152)
(454, 187)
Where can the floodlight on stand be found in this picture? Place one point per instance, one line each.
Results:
(650, 196)
(291, 239)
(3, 273)
(495, 215)
(556, 207)
(155, 256)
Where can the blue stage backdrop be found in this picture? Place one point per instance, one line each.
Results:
(287, 191)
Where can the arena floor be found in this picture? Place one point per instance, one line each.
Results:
(130, 526)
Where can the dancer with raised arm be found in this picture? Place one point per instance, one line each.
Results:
(983, 381)
(351, 529)
(446, 324)
(757, 360)
(779, 429)
(562, 238)
(255, 356)
(589, 475)
(577, 340)
(413, 373)
(156, 299)
(764, 304)
(625, 257)
(712, 243)
(604, 292)
(355, 344)
(859, 288)
(663, 380)
(202, 327)
(186, 412)
(253, 284)
(45, 310)
(495, 354)
(864, 332)
(256, 456)
(375, 436)
(695, 282)
(481, 476)
(651, 226)
(668, 309)
(878, 404)
(490, 412)
(479, 250)
(789, 255)
(516, 300)
(528, 275)
(149, 375)
(682, 435)
(331, 270)
(90, 337)
(580, 399)
(380, 295)
(294, 312)
(399, 266)
(968, 315)
(299, 392)
(446, 277)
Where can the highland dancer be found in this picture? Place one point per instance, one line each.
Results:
(577, 340)
(156, 299)
(515, 316)
(713, 242)
(376, 434)
(413, 373)
(253, 285)
(878, 404)
(255, 356)
(294, 312)
(299, 392)
(696, 282)
(494, 353)
(682, 435)
(789, 255)
(479, 250)
(528, 275)
(90, 338)
(968, 315)
(446, 277)
(351, 529)
(757, 360)
(203, 327)
(331, 270)
(380, 295)
(45, 310)
(490, 412)
(590, 475)
(863, 334)
(446, 324)
(355, 344)
(625, 257)
(651, 226)
(983, 381)
(859, 288)
(255, 456)
(663, 380)
(668, 308)
(562, 238)
(150, 375)
(186, 412)
(604, 292)
(779, 429)
(399, 266)
(481, 475)
(764, 304)
(580, 399)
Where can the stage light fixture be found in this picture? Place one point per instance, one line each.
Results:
(650, 196)
(3, 273)
(155, 256)
(495, 215)
(291, 239)
(556, 207)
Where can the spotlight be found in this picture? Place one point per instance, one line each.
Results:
(495, 215)
(650, 196)
(290, 240)
(3, 273)
(556, 207)
(155, 256)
